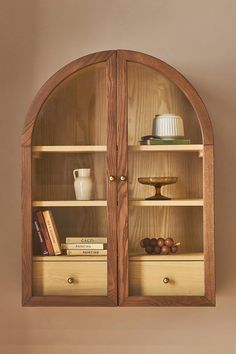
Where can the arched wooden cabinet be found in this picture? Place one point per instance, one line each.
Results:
(92, 114)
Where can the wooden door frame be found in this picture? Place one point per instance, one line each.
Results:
(123, 57)
(27, 258)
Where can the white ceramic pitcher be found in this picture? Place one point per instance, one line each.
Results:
(82, 183)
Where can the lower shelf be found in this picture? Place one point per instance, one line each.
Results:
(65, 258)
(196, 256)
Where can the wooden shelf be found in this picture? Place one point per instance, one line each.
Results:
(186, 148)
(170, 257)
(102, 148)
(70, 148)
(197, 256)
(69, 203)
(172, 202)
(66, 258)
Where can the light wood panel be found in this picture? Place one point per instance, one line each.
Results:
(52, 175)
(75, 113)
(185, 278)
(151, 93)
(51, 278)
(183, 224)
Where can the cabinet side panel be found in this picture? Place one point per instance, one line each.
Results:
(27, 228)
(208, 222)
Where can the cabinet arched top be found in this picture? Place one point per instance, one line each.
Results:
(122, 56)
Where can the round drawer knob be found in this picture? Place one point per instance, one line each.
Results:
(112, 178)
(70, 280)
(123, 178)
(166, 280)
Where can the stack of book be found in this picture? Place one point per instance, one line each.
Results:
(151, 140)
(46, 236)
(85, 246)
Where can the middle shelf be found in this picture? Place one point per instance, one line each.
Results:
(94, 203)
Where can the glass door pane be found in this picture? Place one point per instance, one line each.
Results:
(165, 236)
(73, 200)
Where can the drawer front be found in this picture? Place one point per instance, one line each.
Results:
(166, 278)
(70, 278)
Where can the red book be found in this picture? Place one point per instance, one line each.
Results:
(44, 231)
(42, 242)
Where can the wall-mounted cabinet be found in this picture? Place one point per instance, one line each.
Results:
(92, 114)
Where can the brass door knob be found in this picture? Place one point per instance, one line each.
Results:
(112, 178)
(166, 280)
(123, 178)
(70, 280)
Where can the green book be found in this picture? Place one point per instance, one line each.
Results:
(154, 141)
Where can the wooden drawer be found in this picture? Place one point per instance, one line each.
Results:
(183, 278)
(69, 278)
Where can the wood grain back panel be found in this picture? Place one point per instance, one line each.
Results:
(75, 113)
(53, 175)
(183, 224)
(151, 93)
(187, 167)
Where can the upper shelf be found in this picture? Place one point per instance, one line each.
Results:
(131, 148)
(187, 148)
(69, 148)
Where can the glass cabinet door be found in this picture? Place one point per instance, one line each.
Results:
(161, 238)
(73, 190)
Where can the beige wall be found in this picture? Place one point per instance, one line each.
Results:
(198, 38)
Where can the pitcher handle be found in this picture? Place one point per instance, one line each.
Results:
(74, 173)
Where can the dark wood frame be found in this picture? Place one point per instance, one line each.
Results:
(116, 73)
(111, 299)
(123, 57)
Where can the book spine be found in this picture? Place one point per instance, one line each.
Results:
(41, 239)
(52, 231)
(86, 252)
(83, 246)
(169, 142)
(86, 240)
(44, 230)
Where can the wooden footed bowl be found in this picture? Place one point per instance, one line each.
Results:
(157, 182)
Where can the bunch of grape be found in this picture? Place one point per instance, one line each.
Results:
(159, 245)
